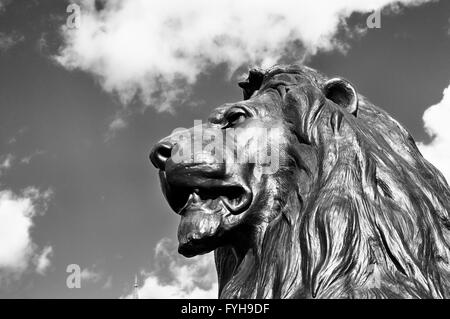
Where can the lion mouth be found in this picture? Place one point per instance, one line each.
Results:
(206, 183)
(206, 211)
(234, 198)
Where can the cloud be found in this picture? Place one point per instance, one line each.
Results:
(174, 276)
(90, 275)
(9, 40)
(93, 275)
(119, 123)
(19, 134)
(436, 125)
(18, 252)
(27, 159)
(17, 213)
(3, 4)
(155, 51)
(43, 260)
(5, 163)
(108, 283)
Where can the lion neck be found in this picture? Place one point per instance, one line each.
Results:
(270, 267)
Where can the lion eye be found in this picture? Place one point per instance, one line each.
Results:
(235, 118)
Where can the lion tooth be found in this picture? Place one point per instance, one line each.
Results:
(226, 203)
(188, 202)
(195, 197)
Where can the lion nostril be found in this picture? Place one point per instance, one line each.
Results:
(160, 153)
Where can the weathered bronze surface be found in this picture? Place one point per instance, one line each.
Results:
(353, 210)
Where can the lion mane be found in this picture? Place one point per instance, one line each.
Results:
(374, 223)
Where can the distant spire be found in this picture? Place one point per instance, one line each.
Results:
(135, 292)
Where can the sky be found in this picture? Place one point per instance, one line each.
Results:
(83, 99)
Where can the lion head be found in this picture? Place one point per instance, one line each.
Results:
(350, 209)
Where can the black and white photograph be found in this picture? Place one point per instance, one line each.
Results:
(211, 152)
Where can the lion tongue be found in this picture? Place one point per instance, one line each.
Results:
(195, 229)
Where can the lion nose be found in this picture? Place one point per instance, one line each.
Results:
(160, 153)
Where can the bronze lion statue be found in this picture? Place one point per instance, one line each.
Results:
(351, 210)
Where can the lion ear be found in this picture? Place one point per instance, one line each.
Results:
(342, 93)
(252, 83)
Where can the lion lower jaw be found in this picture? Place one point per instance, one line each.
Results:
(202, 224)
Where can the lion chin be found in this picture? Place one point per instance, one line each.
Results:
(343, 205)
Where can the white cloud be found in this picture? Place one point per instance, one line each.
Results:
(155, 50)
(9, 40)
(119, 123)
(17, 213)
(174, 276)
(43, 260)
(15, 216)
(15, 138)
(436, 125)
(5, 163)
(3, 4)
(90, 275)
(27, 159)
(108, 283)
(94, 275)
